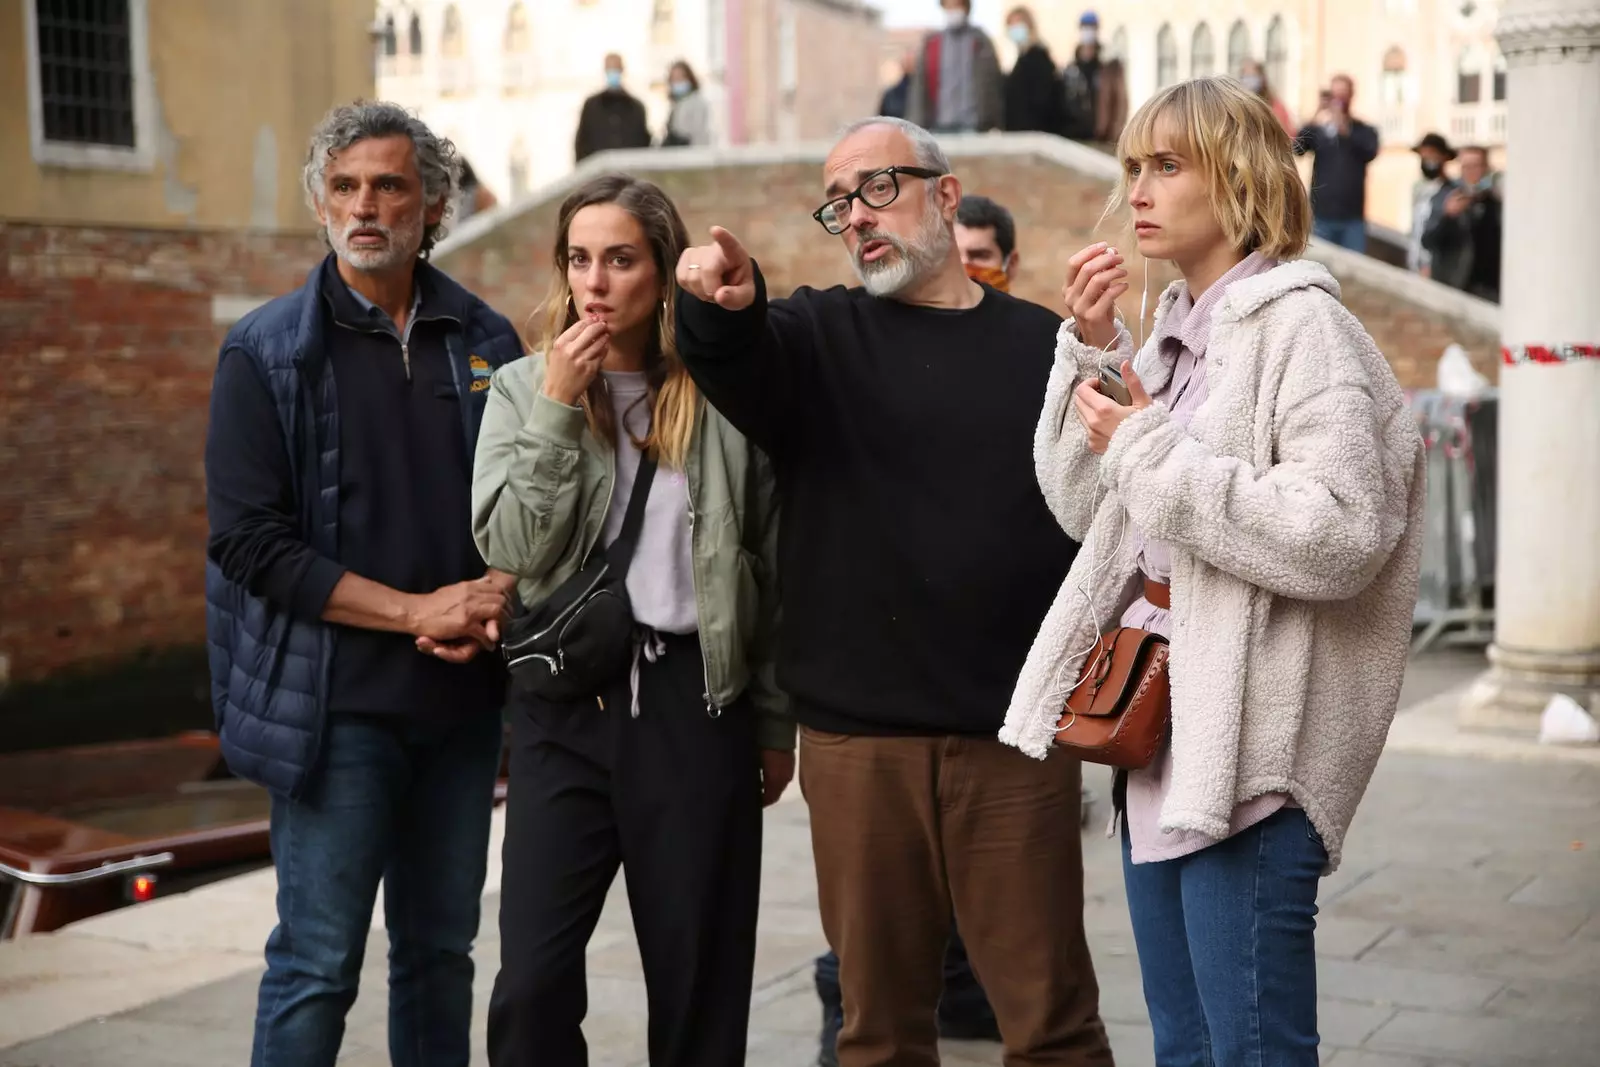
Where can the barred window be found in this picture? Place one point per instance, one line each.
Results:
(86, 71)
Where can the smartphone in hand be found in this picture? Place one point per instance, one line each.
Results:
(1112, 385)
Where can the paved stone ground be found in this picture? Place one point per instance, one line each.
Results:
(1462, 931)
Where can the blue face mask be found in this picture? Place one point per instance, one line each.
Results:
(1019, 34)
(680, 89)
(613, 79)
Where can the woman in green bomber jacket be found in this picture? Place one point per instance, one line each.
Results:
(664, 771)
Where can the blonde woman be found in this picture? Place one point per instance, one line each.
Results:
(663, 769)
(1259, 503)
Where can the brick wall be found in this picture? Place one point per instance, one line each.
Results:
(108, 345)
(108, 342)
(769, 204)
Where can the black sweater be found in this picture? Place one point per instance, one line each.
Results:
(916, 554)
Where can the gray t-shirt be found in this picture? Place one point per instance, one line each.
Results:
(661, 577)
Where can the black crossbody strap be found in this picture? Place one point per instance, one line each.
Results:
(620, 554)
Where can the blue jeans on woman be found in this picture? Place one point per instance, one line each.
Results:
(1226, 942)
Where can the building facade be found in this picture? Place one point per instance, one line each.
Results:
(506, 79)
(170, 113)
(1418, 65)
(152, 151)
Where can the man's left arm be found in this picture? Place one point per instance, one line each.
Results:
(1364, 140)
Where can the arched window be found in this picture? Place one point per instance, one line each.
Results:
(1166, 57)
(1202, 53)
(1392, 82)
(1469, 77)
(414, 35)
(1238, 47)
(450, 42)
(1119, 44)
(1276, 58)
(516, 39)
(391, 43)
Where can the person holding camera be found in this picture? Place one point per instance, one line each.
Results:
(641, 527)
(1464, 236)
(1252, 500)
(1344, 146)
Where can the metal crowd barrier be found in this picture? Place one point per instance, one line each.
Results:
(1455, 603)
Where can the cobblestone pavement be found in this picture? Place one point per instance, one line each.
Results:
(1462, 931)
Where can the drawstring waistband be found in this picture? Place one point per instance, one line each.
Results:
(646, 643)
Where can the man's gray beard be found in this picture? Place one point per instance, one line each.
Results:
(401, 244)
(912, 260)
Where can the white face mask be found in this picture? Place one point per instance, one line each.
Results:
(956, 17)
(1088, 35)
(1254, 82)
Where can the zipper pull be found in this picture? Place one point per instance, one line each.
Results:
(405, 356)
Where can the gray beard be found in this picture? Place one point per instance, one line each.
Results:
(911, 260)
(401, 244)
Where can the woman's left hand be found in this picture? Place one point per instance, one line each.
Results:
(777, 768)
(1100, 414)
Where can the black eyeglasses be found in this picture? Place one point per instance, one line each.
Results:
(878, 190)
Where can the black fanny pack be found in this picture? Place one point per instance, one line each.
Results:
(580, 638)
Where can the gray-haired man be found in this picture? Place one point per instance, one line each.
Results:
(347, 604)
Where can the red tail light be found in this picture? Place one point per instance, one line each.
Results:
(141, 887)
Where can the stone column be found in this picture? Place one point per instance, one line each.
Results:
(1547, 582)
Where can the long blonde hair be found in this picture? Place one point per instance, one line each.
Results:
(674, 401)
(1236, 141)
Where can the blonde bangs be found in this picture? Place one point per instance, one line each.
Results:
(1231, 135)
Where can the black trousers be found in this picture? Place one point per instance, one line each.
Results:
(673, 797)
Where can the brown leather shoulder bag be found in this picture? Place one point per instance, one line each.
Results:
(1117, 713)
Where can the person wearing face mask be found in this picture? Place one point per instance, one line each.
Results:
(1258, 504)
(1033, 87)
(1253, 76)
(986, 234)
(611, 118)
(663, 767)
(689, 121)
(1428, 196)
(1096, 88)
(957, 87)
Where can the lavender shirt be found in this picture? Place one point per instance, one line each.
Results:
(1182, 340)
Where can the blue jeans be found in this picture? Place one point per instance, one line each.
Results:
(1346, 233)
(1226, 940)
(402, 801)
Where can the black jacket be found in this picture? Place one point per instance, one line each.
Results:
(1339, 172)
(273, 501)
(1466, 247)
(611, 118)
(1035, 99)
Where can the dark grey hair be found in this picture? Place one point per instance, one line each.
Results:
(923, 144)
(363, 120)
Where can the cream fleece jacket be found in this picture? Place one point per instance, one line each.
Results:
(1293, 505)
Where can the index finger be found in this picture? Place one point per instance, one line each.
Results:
(728, 243)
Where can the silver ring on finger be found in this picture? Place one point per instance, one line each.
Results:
(693, 266)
